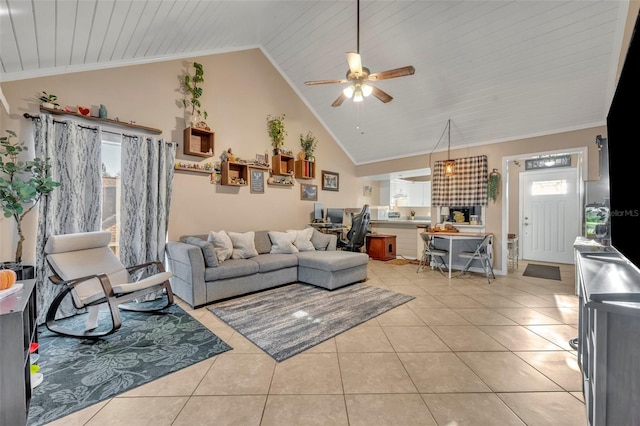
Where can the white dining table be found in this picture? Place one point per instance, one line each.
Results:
(456, 236)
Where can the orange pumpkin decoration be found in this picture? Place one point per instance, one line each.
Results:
(7, 278)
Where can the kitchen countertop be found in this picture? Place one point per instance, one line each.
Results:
(401, 222)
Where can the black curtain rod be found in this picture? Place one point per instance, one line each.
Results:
(35, 117)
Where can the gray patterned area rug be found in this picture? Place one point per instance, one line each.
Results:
(287, 320)
(79, 372)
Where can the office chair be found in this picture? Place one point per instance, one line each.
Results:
(87, 268)
(359, 230)
(430, 253)
(481, 253)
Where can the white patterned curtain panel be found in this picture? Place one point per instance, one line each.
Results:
(467, 187)
(147, 181)
(74, 151)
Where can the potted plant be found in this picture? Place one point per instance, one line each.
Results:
(48, 100)
(308, 144)
(493, 185)
(193, 92)
(22, 184)
(276, 131)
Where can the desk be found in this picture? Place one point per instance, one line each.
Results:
(465, 241)
(327, 228)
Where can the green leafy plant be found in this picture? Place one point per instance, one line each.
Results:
(194, 91)
(493, 185)
(49, 98)
(23, 183)
(308, 144)
(275, 130)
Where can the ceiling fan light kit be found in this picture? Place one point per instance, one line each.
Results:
(358, 76)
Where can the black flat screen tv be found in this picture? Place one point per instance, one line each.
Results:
(623, 125)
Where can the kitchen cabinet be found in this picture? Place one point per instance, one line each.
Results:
(608, 344)
(411, 194)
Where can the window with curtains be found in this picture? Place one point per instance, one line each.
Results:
(467, 187)
(111, 149)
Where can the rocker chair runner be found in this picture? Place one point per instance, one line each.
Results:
(483, 254)
(85, 265)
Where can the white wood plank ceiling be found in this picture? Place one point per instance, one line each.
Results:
(499, 69)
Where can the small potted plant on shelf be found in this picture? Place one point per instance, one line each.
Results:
(308, 144)
(193, 93)
(276, 131)
(22, 184)
(48, 100)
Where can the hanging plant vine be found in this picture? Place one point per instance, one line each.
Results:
(493, 185)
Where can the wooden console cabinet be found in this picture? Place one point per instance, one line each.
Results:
(381, 246)
(18, 330)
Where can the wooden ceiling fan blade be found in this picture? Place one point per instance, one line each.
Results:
(394, 73)
(381, 94)
(311, 83)
(355, 63)
(339, 101)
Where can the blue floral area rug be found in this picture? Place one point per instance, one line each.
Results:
(81, 372)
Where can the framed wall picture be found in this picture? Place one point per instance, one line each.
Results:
(367, 190)
(330, 181)
(257, 181)
(308, 192)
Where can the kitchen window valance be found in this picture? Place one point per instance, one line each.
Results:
(467, 187)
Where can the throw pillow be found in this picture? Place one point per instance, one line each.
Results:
(302, 239)
(262, 241)
(243, 245)
(320, 241)
(222, 244)
(208, 252)
(282, 242)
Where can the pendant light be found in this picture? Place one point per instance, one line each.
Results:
(449, 165)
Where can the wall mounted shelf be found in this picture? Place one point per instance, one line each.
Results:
(280, 184)
(233, 173)
(305, 169)
(198, 142)
(102, 120)
(283, 165)
(193, 170)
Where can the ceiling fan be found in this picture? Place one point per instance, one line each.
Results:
(359, 77)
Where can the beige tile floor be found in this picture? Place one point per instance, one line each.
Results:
(463, 352)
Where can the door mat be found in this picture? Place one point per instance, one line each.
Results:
(542, 271)
(400, 261)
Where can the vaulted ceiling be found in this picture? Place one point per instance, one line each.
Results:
(500, 70)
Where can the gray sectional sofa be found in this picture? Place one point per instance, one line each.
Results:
(199, 278)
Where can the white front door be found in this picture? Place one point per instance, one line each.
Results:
(549, 215)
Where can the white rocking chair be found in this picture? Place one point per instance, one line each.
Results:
(94, 277)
